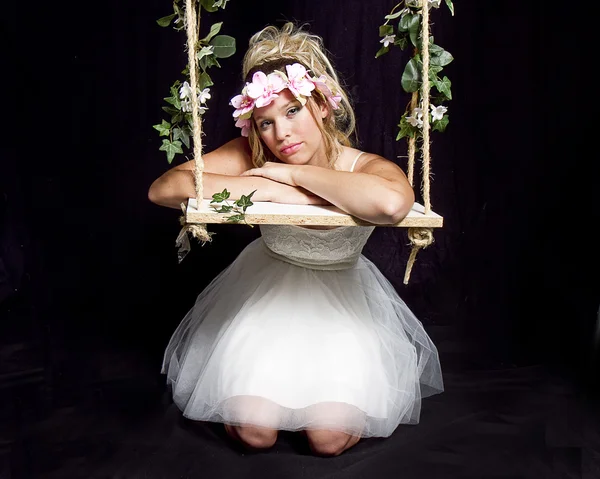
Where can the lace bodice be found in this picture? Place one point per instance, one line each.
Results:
(337, 248)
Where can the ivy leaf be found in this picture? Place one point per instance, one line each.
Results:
(385, 30)
(440, 125)
(402, 42)
(224, 46)
(204, 81)
(175, 101)
(406, 129)
(164, 129)
(221, 3)
(411, 78)
(204, 51)
(223, 209)
(393, 16)
(166, 21)
(244, 201)
(170, 111)
(414, 28)
(219, 197)
(444, 86)
(450, 6)
(171, 148)
(382, 51)
(182, 134)
(439, 56)
(207, 62)
(209, 5)
(236, 218)
(214, 29)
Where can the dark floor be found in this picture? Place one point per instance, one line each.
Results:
(505, 423)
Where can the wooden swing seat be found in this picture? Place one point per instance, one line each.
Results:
(265, 212)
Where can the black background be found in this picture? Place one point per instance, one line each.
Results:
(90, 287)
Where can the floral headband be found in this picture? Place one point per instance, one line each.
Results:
(265, 88)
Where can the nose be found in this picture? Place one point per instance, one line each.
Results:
(282, 130)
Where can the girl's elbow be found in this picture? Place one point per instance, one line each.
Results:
(397, 206)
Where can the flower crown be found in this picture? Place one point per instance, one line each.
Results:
(265, 88)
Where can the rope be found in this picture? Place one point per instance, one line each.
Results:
(198, 231)
(412, 143)
(422, 237)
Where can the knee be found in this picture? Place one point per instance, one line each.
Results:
(328, 443)
(257, 438)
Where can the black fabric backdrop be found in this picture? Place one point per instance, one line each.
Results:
(90, 287)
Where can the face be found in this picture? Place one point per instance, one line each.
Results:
(290, 131)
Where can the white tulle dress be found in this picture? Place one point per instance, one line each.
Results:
(302, 331)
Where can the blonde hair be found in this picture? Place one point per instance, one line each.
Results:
(271, 49)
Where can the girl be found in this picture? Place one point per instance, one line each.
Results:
(301, 332)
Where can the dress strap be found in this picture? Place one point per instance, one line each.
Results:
(355, 160)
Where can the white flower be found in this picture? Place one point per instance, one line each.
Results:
(185, 91)
(387, 40)
(417, 118)
(437, 112)
(186, 106)
(204, 95)
(435, 3)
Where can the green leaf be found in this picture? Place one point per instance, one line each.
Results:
(164, 129)
(170, 111)
(224, 46)
(166, 21)
(207, 62)
(385, 30)
(205, 51)
(401, 42)
(219, 197)
(382, 51)
(223, 209)
(236, 218)
(175, 101)
(414, 28)
(171, 148)
(182, 134)
(393, 16)
(406, 22)
(406, 129)
(411, 77)
(439, 56)
(244, 201)
(204, 81)
(450, 6)
(209, 5)
(444, 86)
(214, 29)
(440, 125)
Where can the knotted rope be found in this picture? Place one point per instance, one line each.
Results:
(198, 231)
(421, 237)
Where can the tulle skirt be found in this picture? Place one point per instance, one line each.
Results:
(276, 345)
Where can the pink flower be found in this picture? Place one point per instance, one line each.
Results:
(243, 104)
(321, 85)
(264, 89)
(245, 125)
(299, 82)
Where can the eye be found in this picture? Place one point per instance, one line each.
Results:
(264, 124)
(293, 110)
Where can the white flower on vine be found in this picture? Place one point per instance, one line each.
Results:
(437, 112)
(387, 40)
(204, 95)
(416, 118)
(186, 107)
(185, 91)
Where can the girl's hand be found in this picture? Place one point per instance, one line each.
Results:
(280, 172)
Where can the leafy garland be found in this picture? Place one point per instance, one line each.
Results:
(208, 49)
(404, 35)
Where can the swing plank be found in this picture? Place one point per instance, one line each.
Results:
(265, 212)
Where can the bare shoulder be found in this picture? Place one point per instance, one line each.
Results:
(368, 162)
(232, 158)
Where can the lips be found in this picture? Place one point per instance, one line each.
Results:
(289, 149)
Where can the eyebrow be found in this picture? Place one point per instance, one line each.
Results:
(260, 117)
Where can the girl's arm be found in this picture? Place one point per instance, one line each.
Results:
(377, 192)
(222, 170)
